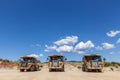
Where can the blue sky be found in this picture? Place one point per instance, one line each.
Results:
(70, 27)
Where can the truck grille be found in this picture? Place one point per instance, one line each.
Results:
(24, 64)
(94, 63)
(55, 63)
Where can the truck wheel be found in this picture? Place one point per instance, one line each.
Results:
(86, 69)
(62, 70)
(28, 70)
(21, 70)
(97, 70)
(83, 69)
(32, 68)
(50, 70)
(37, 68)
(100, 70)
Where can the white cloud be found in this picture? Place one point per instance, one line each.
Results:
(98, 48)
(49, 48)
(69, 40)
(79, 48)
(82, 47)
(115, 53)
(64, 48)
(68, 45)
(36, 55)
(79, 52)
(41, 55)
(35, 45)
(46, 50)
(113, 33)
(112, 52)
(118, 41)
(108, 45)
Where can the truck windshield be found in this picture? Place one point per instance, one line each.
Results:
(59, 58)
(96, 58)
(28, 60)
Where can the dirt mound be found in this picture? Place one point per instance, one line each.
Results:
(69, 67)
(109, 69)
(7, 65)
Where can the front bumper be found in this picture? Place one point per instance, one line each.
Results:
(94, 68)
(55, 67)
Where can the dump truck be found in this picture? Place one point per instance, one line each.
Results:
(92, 62)
(28, 63)
(56, 62)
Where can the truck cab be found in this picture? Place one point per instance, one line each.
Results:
(28, 63)
(56, 62)
(92, 62)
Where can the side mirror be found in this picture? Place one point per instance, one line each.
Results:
(19, 60)
(65, 59)
(48, 59)
(104, 59)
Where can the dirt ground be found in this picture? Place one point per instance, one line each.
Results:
(71, 73)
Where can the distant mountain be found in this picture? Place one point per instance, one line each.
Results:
(74, 61)
(69, 61)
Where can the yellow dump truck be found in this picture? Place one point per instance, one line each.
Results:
(28, 63)
(56, 62)
(92, 62)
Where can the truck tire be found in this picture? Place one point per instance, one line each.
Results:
(83, 69)
(32, 68)
(21, 70)
(28, 70)
(50, 70)
(100, 70)
(86, 69)
(37, 68)
(62, 70)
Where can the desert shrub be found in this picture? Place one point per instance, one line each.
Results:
(112, 69)
(113, 64)
(7, 61)
(1, 59)
(41, 65)
(79, 67)
(116, 65)
(107, 64)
